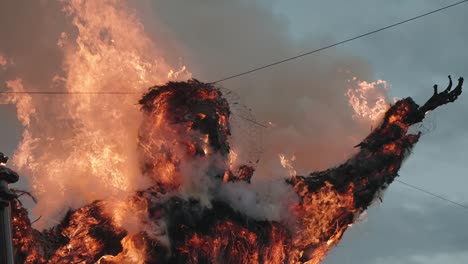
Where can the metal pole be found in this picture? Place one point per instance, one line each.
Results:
(6, 245)
(7, 176)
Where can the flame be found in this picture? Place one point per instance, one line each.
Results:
(23, 237)
(172, 136)
(3, 60)
(232, 157)
(147, 184)
(326, 213)
(235, 244)
(368, 99)
(208, 244)
(201, 115)
(82, 242)
(84, 145)
(133, 252)
(288, 164)
(206, 144)
(181, 217)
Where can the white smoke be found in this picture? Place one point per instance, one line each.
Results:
(80, 147)
(268, 200)
(112, 47)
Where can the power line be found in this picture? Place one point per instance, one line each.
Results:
(265, 126)
(63, 92)
(338, 43)
(253, 121)
(432, 194)
(397, 180)
(271, 65)
(268, 65)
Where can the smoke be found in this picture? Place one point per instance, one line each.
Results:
(198, 181)
(269, 200)
(80, 148)
(303, 103)
(304, 99)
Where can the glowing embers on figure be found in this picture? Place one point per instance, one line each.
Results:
(184, 148)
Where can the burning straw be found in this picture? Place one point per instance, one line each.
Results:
(188, 215)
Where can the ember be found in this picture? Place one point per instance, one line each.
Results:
(186, 157)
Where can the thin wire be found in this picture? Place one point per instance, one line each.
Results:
(63, 92)
(339, 43)
(274, 64)
(400, 181)
(253, 121)
(265, 126)
(271, 64)
(397, 180)
(432, 194)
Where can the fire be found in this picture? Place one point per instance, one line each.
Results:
(78, 148)
(180, 217)
(234, 243)
(232, 158)
(231, 231)
(133, 252)
(288, 164)
(201, 115)
(389, 148)
(146, 184)
(206, 94)
(368, 99)
(3, 60)
(314, 225)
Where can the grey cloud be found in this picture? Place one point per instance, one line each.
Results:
(406, 224)
(305, 99)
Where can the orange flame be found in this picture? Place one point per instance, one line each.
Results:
(97, 135)
(326, 213)
(368, 99)
(76, 149)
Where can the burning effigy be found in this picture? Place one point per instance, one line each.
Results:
(187, 213)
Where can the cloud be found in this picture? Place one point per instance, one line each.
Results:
(304, 99)
(407, 224)
(457, 257)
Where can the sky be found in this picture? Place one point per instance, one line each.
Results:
(216, 39)
(408, 227)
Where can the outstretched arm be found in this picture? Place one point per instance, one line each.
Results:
(444, 97)
(385, 147)
(331, 199)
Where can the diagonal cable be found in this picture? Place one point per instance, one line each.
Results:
(433, 194)
(339, 43)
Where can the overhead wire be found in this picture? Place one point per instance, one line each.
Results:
(277, 62)
(397, 180)
(339, 43)
(64, 92)
(432, 194)
(274, 64)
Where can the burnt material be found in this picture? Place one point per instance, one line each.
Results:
(238, 238)
(188, 122)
